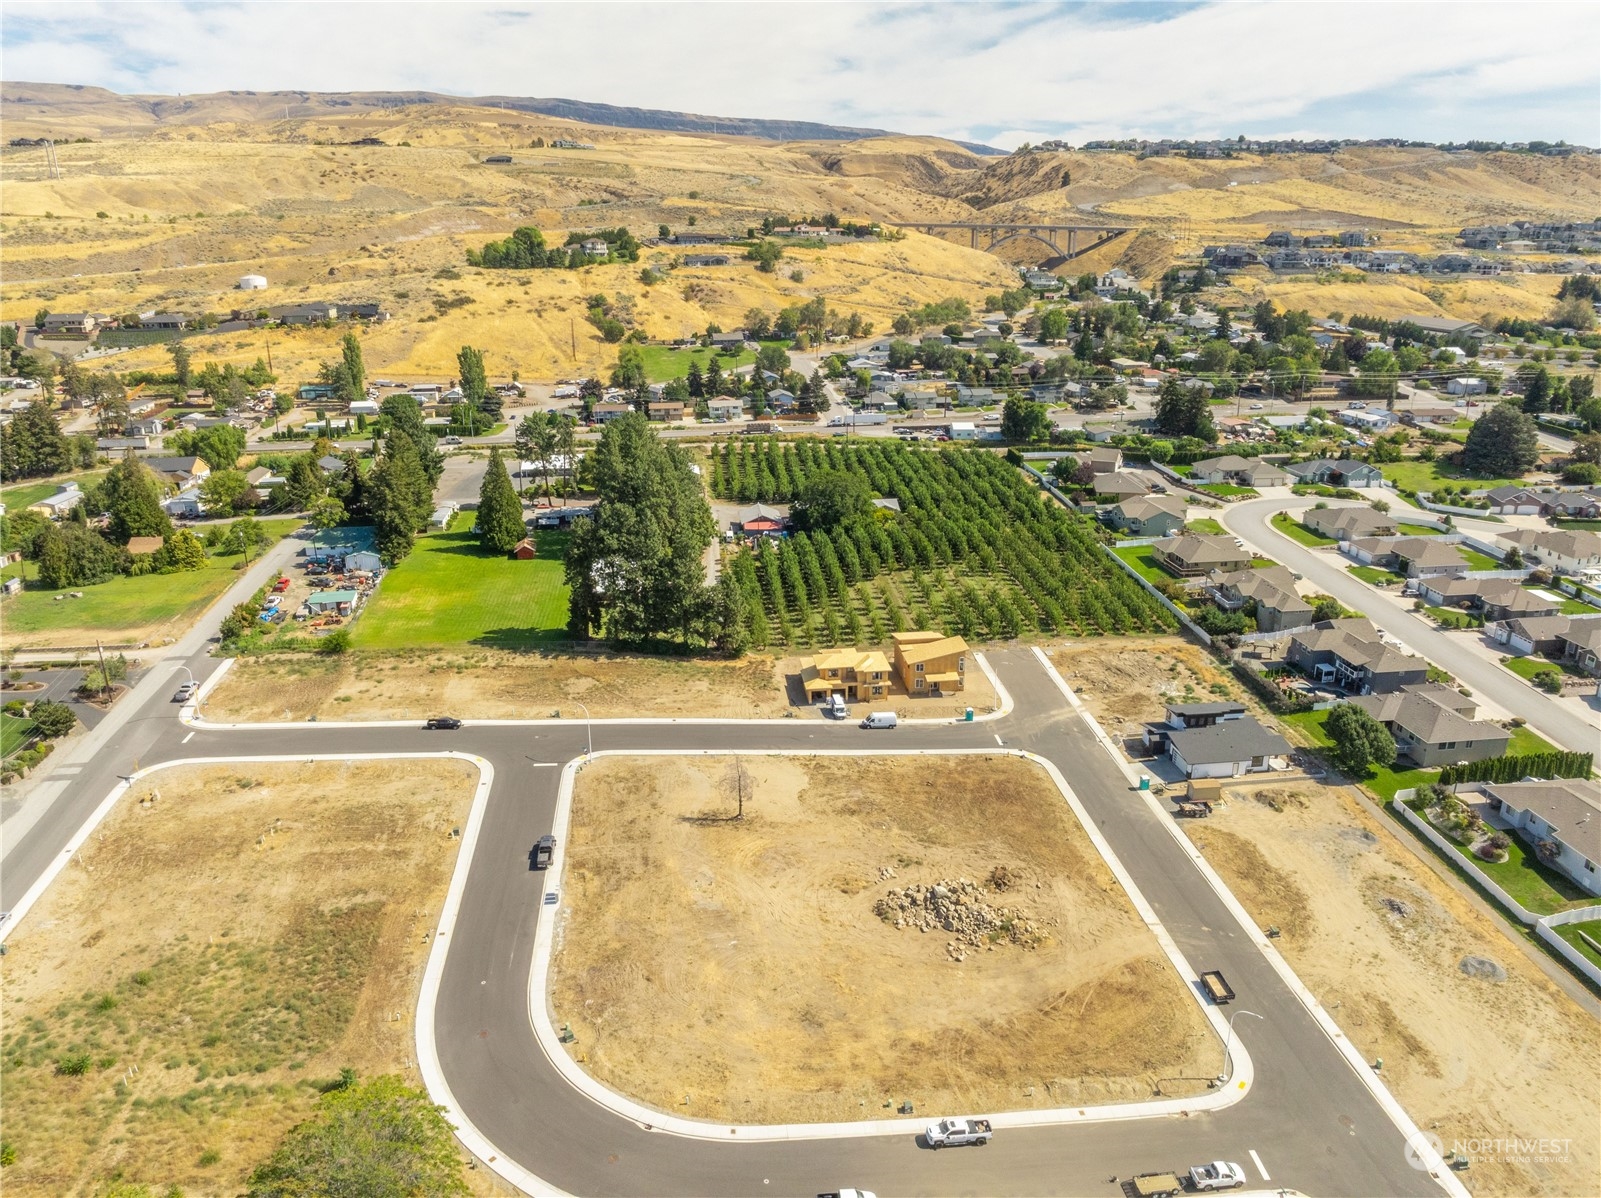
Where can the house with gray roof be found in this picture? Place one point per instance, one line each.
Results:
(1227, 749)
(1532, 634)
(1348, 654)
(1240, 472)
(1493, 598)
(1147, 516)
(1120, 485)
(1433, 725)
(1415, 557)
(1581, 644)
(1562, 550)
(1350, 522)
(1269, 593)
(1341, 472)
(1564, 814)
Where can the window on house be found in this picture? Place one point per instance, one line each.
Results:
(919, 684)
(919, 667)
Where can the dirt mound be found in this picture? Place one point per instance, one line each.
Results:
(1482, 967)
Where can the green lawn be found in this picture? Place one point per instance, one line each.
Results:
(1228, 490)
(1296, 531)
(14, 733)
(1205, 524)
(1570, 933)
(1144, 563)
(1528, 879)
(1416, 475)
(450, 592)
(1579, 525)
(123, 609)
(20, 495)
(1477, 560)
(1374, 576)
(1452, 618)
(663, 363)
(1382, 781)
(1524, 742)
(1528, 667)
(1416, 530)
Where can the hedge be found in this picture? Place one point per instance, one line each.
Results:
(1556, 764)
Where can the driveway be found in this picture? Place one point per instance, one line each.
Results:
(1557, 722)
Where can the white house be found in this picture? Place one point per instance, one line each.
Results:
(725, 407)
(364, 407)
(1227, 749)
(185, 504)
(53, 507)
(964, 430)
(1556, 549)
(1371, 421)
(363, 559)
(1466, 386)
(594, 247)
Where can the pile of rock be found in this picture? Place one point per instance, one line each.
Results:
(960, 907)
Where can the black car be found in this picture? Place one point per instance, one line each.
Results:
(543, 848)
(447, 723)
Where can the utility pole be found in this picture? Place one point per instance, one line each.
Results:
(105, 683)
(572, 333)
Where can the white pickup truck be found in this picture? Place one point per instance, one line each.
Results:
(951, 1132)
(1219, 1175)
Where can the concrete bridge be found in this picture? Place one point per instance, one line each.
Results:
(1065, 242)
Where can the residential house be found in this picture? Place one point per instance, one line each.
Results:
(1269, 592)
(143, 426)
(759, 520)
(185, 504)
(1227, 749)
(1581, 645)
(706, 259)
(1341, 472)
(1368, 420)
(1466, 385)
(929, 663)
(734, 339)
(164, 320)
(1532, 634)
(1496, 599)
(183, 470)
(1562, 818)
(665, 409)
(1238, 471)
(851, 673)
(339, 602)
(1118, 485)
(880, 401)
(304, 313)
(331, 463)
(1415, 557)
(365, 311)
(1433, 725)
(780, 400)
(1576, 505)
(605, 413)
(1195, 554)
(364, 407)
(1147, 516)
(1349, 655)
(1556, 549)
(69, 322)
(1103, 459)
(594, 247)
(1515, 501)
(1445, 326)
(261, 481)
(725, 407)
(53, 507)
(1418, 417)
(120, 445)
(1349, 523)
(1177, 717)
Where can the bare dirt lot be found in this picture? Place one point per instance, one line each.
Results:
(231, 937)
(1382, 942)
(1124, 682)
(489, 685)
(763, 986)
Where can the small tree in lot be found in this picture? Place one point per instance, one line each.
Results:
(740, 786)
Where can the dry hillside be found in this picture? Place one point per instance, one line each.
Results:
(173, 199)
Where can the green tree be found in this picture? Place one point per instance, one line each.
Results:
(222, 491)
(831, 497)
(1054, 325)
(1360, 741)
(131, 497)
(766, 255)
(475, 382)
(182, 361)
(32, 445)
(629, 373)
(355, 367)
(1184, 411)
(635, 566)
(304, 483)
(500, 513)
(328, 513)
(218, 446)
(1377, 374)
(71, 555)
(1502, 443)
(399, 496)
(1024, 420)
(773, 358)
(181, 551)
(380, 1139)
(402, 412)
(245, 535)
(52, 719)
(728, 615)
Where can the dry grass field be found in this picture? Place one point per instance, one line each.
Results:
(232, 936)
(169, 214)
(1380, 940)
(764, 987)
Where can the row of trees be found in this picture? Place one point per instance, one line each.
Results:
(33, 446)
(525, 249)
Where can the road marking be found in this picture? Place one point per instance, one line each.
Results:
(998, 739)
(187, 739)
(1260, 1167)
(540, 765)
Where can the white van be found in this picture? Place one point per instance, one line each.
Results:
(836, 708)
(880, 719)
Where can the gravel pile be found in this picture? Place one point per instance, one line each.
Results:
(962, 908)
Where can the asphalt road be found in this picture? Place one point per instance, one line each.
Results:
(1310, 1119)
(1250, 522)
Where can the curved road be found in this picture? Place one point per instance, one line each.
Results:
(1327, 571)
(1310, 1118)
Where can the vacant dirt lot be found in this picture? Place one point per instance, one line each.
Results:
(489, 685)
(1382, 942)
(1124, 682)
(232, 937)
(736, 969)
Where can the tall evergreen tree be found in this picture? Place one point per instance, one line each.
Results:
(500, 513)
(399, 496)
(131, 498)
(33, 445)
(355, 368)
(1504, 442)
(475, 382)
(697, 384)
(635, 566)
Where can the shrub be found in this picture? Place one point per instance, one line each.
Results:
(335, 642)
(1547, 680)
(75, 1065)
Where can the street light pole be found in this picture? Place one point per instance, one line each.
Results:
(1228, 1043)
(589, 730)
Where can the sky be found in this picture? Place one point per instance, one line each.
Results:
(999, 73)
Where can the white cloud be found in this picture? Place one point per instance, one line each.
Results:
(1403, 69)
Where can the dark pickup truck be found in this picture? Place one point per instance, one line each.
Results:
(544, 847)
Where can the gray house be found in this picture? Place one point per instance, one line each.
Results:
(1226, 749)
(1433, 725)
(1348, 654)
(1270, 592)
(1561, 818)
(1349, 523)
(1147, 516)
(1341, 472)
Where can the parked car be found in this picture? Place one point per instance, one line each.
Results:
(442, 723)
(954, 1132)
(836, 708)
(184, 693)
(451, 441)
(543, 848)
(281, 585)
